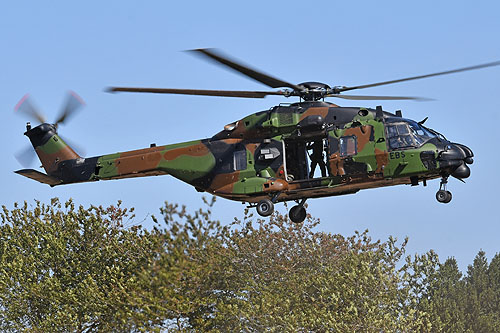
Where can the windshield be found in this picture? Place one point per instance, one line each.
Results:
(407, 134)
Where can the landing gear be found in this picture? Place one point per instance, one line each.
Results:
(265, 207)
(298, 213)
(443, 195)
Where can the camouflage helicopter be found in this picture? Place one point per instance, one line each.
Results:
(271, 156)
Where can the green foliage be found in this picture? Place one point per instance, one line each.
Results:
(67, 268)
(271, 275)
(445, 301)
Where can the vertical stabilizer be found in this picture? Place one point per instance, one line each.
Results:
(50, 148)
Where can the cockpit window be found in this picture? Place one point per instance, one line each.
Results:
(392, 131)
(420, 131)
(407, 134)
(402, 129)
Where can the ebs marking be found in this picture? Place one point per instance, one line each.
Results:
(397, 154)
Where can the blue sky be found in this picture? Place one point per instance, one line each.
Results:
(50, 47)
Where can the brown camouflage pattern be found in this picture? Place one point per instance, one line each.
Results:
(262, 156)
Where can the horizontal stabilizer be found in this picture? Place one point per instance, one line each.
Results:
(39, 177)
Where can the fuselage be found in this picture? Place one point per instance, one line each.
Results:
(268, 155)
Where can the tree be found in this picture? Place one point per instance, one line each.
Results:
(271, 275)
(448, 299)
(480, 297)
(494, 285)
(449, 302)
(67, 268)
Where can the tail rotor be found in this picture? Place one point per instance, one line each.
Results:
(27, 108)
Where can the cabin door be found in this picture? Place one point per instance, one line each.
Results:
(297, 164)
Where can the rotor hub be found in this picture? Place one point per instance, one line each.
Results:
(313, 91)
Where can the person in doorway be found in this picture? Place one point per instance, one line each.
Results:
(317, 157)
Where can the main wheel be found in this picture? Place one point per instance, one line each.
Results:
(449, 196)
(297, 214)
(443, 196)
(265, 207)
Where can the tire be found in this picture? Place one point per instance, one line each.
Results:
(448, 196)
(265, 207)
(297, 214)
(443, 196)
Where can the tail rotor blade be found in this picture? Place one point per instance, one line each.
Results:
(26, 156)
(73, 103)
(25, 107)
(77, 148)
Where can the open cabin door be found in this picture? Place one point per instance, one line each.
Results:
(306, 159)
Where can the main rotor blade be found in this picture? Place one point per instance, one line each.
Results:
(470, 68)
(24, 106)
(73, 103)
(223, 93)
(380, 98)
(245, 70)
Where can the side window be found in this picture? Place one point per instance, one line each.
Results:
(240, 159)
(348, 145)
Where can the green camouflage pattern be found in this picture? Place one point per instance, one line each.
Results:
(264, 155)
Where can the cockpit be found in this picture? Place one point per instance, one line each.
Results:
(408, 134)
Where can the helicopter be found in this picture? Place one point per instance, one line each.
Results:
(271, 156)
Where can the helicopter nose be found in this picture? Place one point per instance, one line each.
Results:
(454, 158)
(468, 153)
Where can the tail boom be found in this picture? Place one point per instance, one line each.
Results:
(186, 161)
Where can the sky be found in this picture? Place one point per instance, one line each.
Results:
(48, 48)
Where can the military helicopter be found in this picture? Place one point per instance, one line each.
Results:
(270, 156)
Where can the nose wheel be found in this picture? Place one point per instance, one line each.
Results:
(443, 196)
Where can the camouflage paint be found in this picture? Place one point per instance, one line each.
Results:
(246, 161)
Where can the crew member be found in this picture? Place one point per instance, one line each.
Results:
(317, 158)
